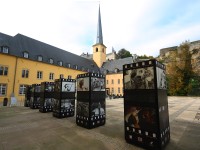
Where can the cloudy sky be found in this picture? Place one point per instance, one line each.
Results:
(140, 26)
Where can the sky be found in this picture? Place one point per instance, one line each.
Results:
(139, 26)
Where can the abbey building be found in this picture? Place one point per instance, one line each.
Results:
(25, 61)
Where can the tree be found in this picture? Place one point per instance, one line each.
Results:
(123, 53)
(145, 57)
(180, 71)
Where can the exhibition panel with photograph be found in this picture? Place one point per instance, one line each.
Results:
(146, 116)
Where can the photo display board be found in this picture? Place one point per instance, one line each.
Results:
(47, 96)
(64, 99)
(27, 96)
(91, 110)
(35, 96)
(146, 116)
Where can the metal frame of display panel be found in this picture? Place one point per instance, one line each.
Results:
(146, 116)
(91, 105)
(35, 96)
(46, 96)
(64, 99)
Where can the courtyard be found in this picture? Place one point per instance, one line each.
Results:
(22, 128)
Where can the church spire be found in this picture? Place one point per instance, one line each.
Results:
(99, 30)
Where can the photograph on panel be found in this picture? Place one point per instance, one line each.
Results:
(49, 88)
(68, 86)
(140, 78)
(38, 100)
(82, 109)
(57, 87)
(37, 88)
(141, 117)
(48, 102)
(31, 100)
(83, 84)
(56, 104)
(67, 103)
(97, 108)
(161, 78)
(97, 84)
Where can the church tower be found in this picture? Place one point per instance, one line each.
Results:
(99, 49)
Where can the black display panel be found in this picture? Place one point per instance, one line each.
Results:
(47, 96)
(91, 110)
(64, 98)
(146, 116)
(35, 96)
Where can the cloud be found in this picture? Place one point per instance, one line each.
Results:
(142, 27)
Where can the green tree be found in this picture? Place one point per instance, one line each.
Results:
(145, 57)
(123, 53)
(180, 71)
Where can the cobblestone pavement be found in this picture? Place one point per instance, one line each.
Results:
(22, 128)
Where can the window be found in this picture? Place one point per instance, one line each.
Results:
(51, 61)
(3, 88)
(68, 65)
(106, 81)
(25, 73)
(3, 70)
(112, 81)
(75, 66)
(51, 76)
(118, 90)
(69, 77)
(39, 58)
(25, 55)
(60, 63)
(103, 50)
(118, 81)
(96, 49)
(61, 76)
(5, 49)
(116, 70)
(39, 74)
(22, 89)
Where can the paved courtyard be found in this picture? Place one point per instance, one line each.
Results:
(22, 128)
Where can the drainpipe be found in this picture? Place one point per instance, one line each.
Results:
(15, 77)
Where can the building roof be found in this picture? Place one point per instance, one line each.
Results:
(19, 44)
(111, 65)
(99, 30)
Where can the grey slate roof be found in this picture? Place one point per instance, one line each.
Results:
(111, 65)
(99, 30)
(20, 43)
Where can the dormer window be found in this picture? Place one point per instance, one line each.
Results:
(39, 58)
(60, 63)
(82, 68)
(5, 49)
(116, 70)
(106, 71)
(75, 66)
(68, 65)
(51, 61)
(25, 55)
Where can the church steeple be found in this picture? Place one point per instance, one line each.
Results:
(99, 30)
(99, 49)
